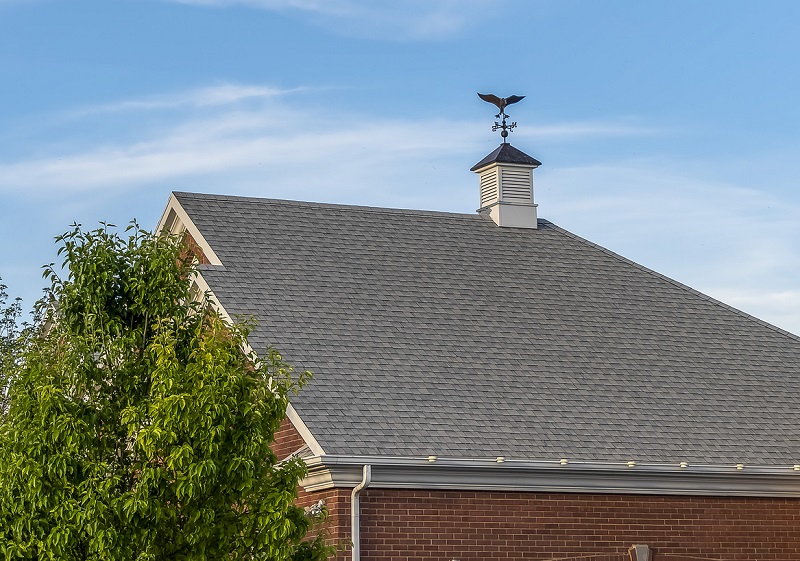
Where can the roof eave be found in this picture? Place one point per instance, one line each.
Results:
(330, 471)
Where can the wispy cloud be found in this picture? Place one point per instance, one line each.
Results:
(204, 149)
(587, 129)
(249, 127)
(410, 19)
(340, 8)
(212, 96)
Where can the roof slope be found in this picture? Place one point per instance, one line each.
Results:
(553, 348)
(506, 154)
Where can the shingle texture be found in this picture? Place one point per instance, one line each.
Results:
(506, 154)
(438, 333)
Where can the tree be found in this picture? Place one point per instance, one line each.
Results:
(138, 425)
(10, 340)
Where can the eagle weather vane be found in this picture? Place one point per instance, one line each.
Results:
(501, 103)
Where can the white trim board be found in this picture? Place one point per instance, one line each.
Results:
(174, 206)
(302, 429)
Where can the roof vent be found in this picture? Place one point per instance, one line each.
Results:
(506, 186)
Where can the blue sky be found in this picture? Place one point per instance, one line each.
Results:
(669, 131)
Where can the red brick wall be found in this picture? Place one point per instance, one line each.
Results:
(400, 525)
(337, 527)
(287, 440)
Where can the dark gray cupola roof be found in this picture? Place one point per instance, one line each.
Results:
(506, 154)
(439, 333)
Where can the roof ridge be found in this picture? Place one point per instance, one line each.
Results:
(670, 280)
(330, 206)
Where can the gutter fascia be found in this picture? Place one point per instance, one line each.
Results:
(330, 471)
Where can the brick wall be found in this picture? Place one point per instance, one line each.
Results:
(287, 440)
(400, 525)
(337, 527)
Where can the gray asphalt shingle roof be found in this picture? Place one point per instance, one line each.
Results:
(507, 154)
(440, 333)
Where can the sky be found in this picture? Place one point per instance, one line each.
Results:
(669, 131)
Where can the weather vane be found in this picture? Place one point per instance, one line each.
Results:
(501, 103)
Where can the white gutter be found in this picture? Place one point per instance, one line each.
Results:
(355, 512)
(505, 463)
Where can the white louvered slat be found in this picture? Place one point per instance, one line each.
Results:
(488, 187)
(517, 185)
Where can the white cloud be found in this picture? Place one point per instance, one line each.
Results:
(248, 127)
(232, 142)
(585, 129)
(212, 96)
(381, 19)
(339, 8)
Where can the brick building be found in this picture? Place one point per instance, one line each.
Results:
(492, 386)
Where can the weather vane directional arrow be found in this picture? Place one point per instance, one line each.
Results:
(502, 103)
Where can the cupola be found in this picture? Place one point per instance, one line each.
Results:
(506, 187)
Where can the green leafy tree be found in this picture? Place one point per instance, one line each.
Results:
(137, 425)
(10, 341)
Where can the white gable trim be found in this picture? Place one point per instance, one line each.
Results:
(300, 427)
(175, 220)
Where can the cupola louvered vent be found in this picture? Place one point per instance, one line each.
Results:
(517, 185)
(489, 187)
(506, 187)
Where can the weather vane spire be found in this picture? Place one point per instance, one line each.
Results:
(501, 103)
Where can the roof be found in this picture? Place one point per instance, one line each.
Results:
(440, 333)
(506, 154)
